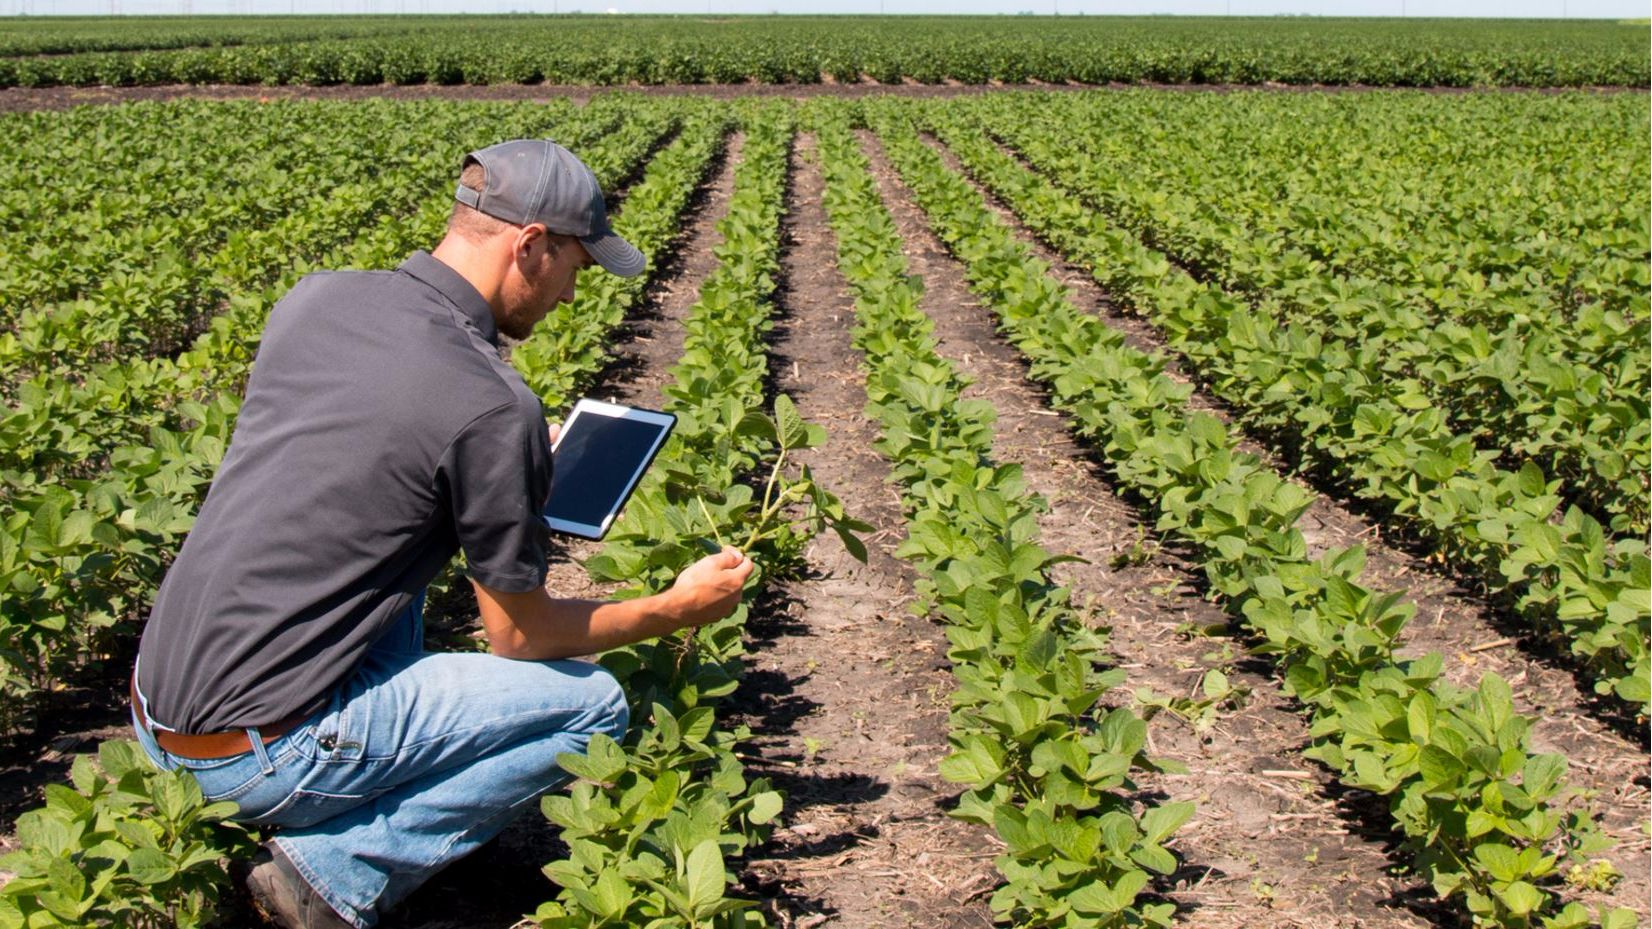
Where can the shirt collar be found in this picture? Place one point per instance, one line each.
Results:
(452, 285)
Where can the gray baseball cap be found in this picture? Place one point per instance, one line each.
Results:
(539, 181)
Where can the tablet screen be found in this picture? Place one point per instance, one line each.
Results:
(601, 454)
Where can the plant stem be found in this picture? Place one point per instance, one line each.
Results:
(709, 521)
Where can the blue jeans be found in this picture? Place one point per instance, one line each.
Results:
(417, 760)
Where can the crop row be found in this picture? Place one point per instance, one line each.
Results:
(1523, 317)
(84, 853)
(1044, 763)
(650, 824)
(1321, 397)
(1479, 811)
(647, 50)
(103, 476)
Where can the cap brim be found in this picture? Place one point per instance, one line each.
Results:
(614, 253)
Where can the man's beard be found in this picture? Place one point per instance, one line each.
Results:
(514, 329)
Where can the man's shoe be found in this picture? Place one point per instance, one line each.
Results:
(284, 897)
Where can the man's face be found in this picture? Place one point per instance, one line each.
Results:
(546, 267)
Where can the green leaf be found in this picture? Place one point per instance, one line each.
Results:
(1098, 898)
(1500, 861)
(755, 425)
(705, 880)
(612, 894)
(1635, 687)
(1216, 684)
(791, 427)
(1496, 700)
(1619, 918)
(851, 543)
(603, 761)
(1439, 767)
(1521, 898)
(1159, 822)
(765, 807)
(1542, 773)
(149, 866)
(1120, 832)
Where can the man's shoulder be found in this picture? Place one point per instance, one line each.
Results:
(414, 343)
(333, 279)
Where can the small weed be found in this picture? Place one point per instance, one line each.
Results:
(1139, 552)
(1599, 875)
(1200, 710)
(1263, 891)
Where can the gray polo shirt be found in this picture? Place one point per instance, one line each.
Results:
(381, 433)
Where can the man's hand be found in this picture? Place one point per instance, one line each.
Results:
(709, 589)
(556, 430)
(535, 626)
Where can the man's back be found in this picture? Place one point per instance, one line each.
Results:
(379, 433)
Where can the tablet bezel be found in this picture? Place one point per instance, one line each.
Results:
(587, 406)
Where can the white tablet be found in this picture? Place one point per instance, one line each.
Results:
(597, 460)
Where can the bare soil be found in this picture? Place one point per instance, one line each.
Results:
(847, 690)
(1267, 845)
(1607, 762)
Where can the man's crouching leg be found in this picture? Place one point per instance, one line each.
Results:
(518, 715)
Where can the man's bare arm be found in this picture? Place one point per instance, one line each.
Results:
(536, 626)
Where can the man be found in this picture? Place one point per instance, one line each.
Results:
(381, 434)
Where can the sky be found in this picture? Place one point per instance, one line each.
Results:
(1590, 9)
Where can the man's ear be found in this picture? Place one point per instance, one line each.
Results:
(527, 237)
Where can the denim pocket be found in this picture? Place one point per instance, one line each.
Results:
(339, 735)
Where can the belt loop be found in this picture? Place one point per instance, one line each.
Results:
(259, 752)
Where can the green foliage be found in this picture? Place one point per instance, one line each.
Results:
(127, 847)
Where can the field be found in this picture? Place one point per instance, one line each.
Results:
(1197, 508)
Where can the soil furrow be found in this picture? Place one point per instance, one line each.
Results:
(846, 690)
(1450, 619)
(1263, 848)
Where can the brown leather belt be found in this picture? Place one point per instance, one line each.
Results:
(213, 744)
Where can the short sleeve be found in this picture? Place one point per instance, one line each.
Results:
(497, 478)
